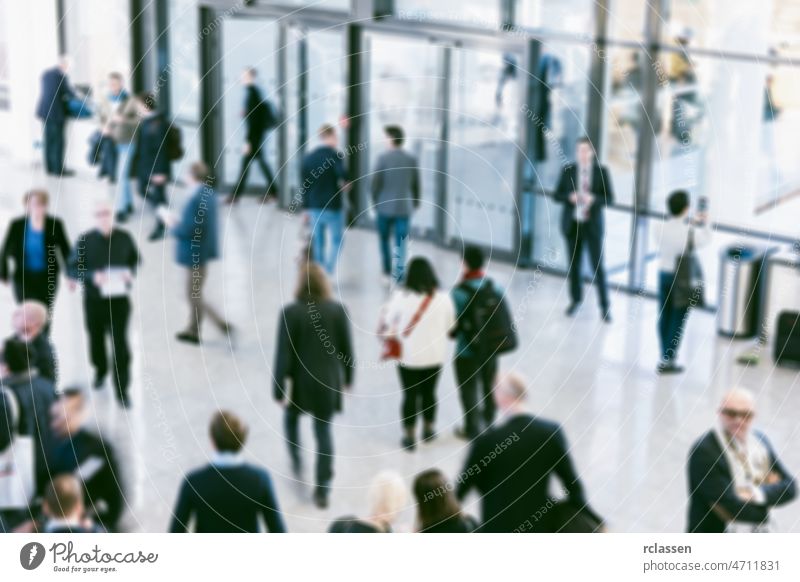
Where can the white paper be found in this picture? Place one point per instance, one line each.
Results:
(116, 283)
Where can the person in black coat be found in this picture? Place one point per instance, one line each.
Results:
(510, 466)
(105, 261)
(89, 457)
(735, 477)
(52, 109)
(30, 322)
(259, 118)
(228, 495)
(151, 163)
(585, 189)
(313, 364)
(37, 246)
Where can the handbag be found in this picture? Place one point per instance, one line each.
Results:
(16, 461)
(392, 346)
(688, 286)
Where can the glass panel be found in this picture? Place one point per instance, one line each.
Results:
(623, 119)
(574, 16)
(729, 130)
(327, 95)
(477, 13)
(626, 19)
(247, 43)
(482, 152)
(405, 92)
(184, 59)
(616, 246)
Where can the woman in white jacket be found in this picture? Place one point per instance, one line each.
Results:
(420, 317)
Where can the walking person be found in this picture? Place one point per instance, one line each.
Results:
(38, 247)
(418, 320)
(314, 363)
(53, 111)
(584, 190)
(197, 236)
(676, 237)
(483, 332)
(324, 180)
(104, 261)
(152, 163)
(259, 118)
(396, 194)
(119, 119)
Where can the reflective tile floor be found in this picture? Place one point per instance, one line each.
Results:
(630, 431)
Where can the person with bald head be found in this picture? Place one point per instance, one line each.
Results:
(29, 322)
(104, 261)
(511, 465)
(735, 477)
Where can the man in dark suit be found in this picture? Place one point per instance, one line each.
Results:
(510, 467)
(88, 457)
(585, 189)
(152, 163)
(53, 111)
(259, 118)
(735, 477)
(228, 495)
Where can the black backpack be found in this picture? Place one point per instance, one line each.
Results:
(266, 115)
(486, 322)
(173, 143)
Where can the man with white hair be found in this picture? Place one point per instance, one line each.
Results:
(510, 466)
(735, 476)
(29, 321)
(104, 261)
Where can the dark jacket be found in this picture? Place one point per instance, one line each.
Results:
(56, 244)
(227, 499)
(255, 116)
(35, 395)
(94, 252)
(510, 467)
(42, 356)
(315, 355)
(151, 148)
(324, 174)
(197, 233)
(352, 524)
(55, 95)
(93, 462)
(711, 485)
(600, 186)
(455, 524)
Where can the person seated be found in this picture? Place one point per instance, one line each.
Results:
(386, 496)
(438, 510)
(227, 495)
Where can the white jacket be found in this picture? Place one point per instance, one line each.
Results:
(426, 345)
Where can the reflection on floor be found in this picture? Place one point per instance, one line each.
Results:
(630, 431)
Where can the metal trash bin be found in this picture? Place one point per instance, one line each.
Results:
(742, 271)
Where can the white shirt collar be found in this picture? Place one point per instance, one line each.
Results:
(225, 459)
(54, 524)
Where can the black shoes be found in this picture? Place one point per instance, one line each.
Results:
(428, 435)
(463, 434)
(572, 309)
(668, 368)
(408, 443)
(158, 233)
(99, 381)
(321, 497)
(188, 338)
(125, 401)
(607, 316)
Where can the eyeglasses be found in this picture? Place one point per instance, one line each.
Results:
(743, 414)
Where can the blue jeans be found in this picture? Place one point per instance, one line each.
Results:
(400, 226)
(124, 193)
(323, 220)
(671, 319)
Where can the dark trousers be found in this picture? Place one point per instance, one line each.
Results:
(54, 146)
(324, 438)
(396, 251)
(419, 394)
(671, 319)
(40, 287)
(257, 154)
(577, 238)
(475, 377)
(109, 317)
(154, 194)
(197, 305)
